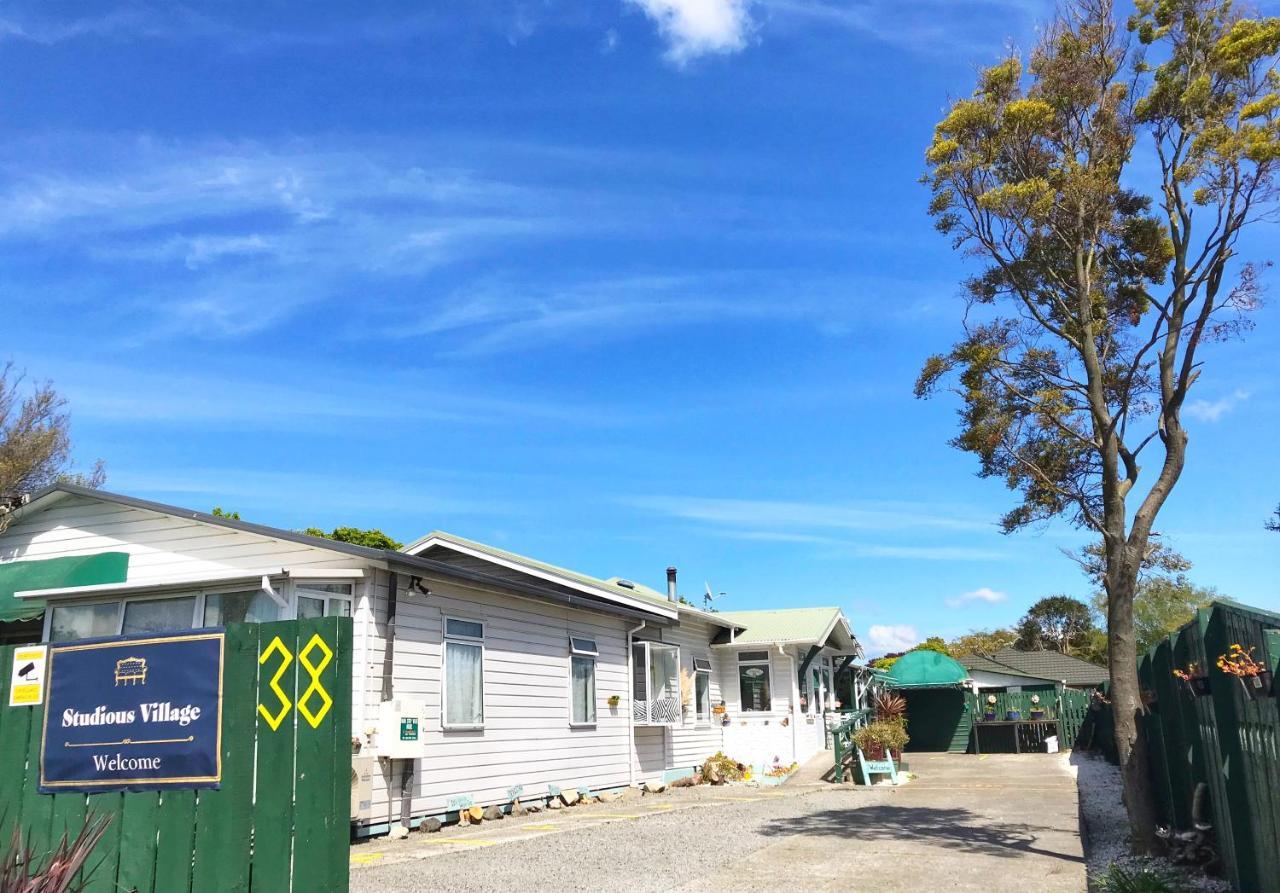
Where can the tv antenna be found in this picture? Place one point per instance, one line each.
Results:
(709, 596)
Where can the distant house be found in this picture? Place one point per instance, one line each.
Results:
(992, 676)
(528, 677)
(1027, 670)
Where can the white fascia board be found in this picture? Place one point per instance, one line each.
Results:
(254, 576)
(616, 598)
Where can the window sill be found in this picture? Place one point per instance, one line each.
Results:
(582, 725)
(479, 728)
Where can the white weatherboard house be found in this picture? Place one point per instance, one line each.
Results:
(525, 678)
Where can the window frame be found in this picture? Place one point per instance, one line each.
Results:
(701, 718)
(595, 712)
(765, 662)
(302, 588)
(641, 675)
(458, 639)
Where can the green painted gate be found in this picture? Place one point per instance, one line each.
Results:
(279, 822)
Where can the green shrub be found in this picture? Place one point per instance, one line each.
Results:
(881, 738)
(1138, 880)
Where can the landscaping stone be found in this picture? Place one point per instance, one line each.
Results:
(518, 809)
(568, 798)
(431, 825)
(554, 803)
(398, 832)
(654, 787)
(686, 782)
(609, 796)
(493, 813)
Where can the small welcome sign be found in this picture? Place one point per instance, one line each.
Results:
(134, 714)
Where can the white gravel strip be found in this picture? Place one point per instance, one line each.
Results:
(1106, 826)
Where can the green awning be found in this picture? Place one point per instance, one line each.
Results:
(55, 573)
(926, 669)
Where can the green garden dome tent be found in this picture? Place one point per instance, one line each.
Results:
(936, 688)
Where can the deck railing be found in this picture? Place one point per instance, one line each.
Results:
(842, 742)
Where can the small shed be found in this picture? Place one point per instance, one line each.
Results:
(935, 687)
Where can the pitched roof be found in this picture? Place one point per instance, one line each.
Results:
(640, 608)
(1052, 665)
(802, 626)
(987, 665)
(612, 587)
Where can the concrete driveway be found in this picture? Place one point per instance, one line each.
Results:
(992, 824)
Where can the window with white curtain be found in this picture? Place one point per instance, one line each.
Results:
(463, 674)
(582, 681)
(158, 615)
(753, 680)
(69, 622)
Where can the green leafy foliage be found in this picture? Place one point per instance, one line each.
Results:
(218, 512)
(35, 438)
(982, 642)
(373, 539)
(1145, 879)
(1055, 623)
(880, 738)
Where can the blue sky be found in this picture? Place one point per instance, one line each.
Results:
(617, 284)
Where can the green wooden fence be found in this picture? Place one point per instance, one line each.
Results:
(1225, 739)
(1069, 707)
(280, 820)
(843, 746)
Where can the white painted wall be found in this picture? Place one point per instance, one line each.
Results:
(160, 546)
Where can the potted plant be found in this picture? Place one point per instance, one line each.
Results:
(990, 713)
(881, 740)
(1196, 682)
(718, 709)
(1037, 712)
(614, 700)
(1254, 677)
(1013, 715)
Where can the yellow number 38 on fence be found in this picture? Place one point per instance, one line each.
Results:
(315, 689)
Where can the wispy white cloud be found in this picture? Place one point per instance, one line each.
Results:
(694, 28)
(1213, 410)
(972, 27)
(784, 514)
(882, 639)
(984, 594)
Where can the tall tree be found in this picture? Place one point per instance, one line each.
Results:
(1273, 524)
(35, 437)
(1161, 606)
(1056, 623)
(982, 642)
(1085, 327)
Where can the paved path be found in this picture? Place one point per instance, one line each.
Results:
(990, 824)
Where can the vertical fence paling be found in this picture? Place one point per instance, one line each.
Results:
(279, 821)
(1069, 707)
(1226, 740)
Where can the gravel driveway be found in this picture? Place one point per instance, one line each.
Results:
(992, 824)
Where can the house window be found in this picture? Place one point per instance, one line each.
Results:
(582, 681)
(655, 683)
(463, 706)
(68, 622)
(701, 690)
(221, 608)
(323, 600)
(753, 680)
(157, 615)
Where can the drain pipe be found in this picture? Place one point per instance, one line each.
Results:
(631, 710)
(388, 691)
(792, 697)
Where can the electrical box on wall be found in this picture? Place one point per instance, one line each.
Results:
(361, 788)
(402, 730)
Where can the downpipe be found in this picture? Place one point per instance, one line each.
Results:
(632, 755)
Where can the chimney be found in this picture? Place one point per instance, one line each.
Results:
(671, 585)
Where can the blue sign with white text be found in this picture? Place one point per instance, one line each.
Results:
(136, 714)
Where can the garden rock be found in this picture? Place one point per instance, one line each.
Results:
(554, 803)
(686, 782)
(493, 813)
(431, 825)
(568, 798)
(398, 832)
(518, 809)
(654, 787)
